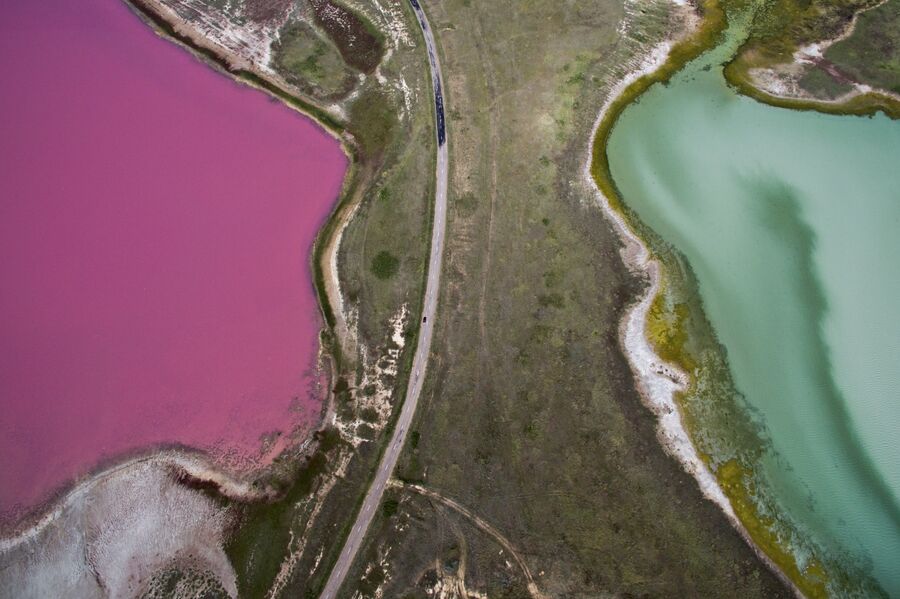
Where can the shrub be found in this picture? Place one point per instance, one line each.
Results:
(385, 265)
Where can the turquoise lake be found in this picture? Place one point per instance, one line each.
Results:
(791, 222)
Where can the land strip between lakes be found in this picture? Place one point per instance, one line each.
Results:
(420, 359)
(536, 424)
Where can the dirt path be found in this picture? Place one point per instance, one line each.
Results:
(490, 77)
(481, 525)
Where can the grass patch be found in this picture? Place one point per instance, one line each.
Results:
(358, 41)
(307, 60)
(780, 28)
(385, 265)
(821, 84)
(872, 53)
(736, 481)
(374, 117)
(257, 547)
(389, 507)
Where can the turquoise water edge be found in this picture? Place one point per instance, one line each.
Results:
(791, 223)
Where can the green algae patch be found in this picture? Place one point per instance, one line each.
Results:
(737, 482)
(670, 326)
(667, 332)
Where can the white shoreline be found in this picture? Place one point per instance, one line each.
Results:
(657, 382)
(196, 466)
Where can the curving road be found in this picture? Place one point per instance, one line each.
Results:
(420, 359)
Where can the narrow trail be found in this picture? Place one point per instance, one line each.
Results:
(420, 359)
(481, 525)
(490, 77)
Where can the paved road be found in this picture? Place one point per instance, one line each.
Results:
(420, 360)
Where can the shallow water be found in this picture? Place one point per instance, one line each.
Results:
(791, 222)
(156, 221)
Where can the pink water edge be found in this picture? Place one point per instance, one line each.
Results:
(156, 221)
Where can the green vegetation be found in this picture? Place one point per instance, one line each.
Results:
(821, 83)
(781, 27)
(529, 416)
(359, 42)
(872, 53)
(183, 581)
(389, 507)
(385, 265)
(376, 115)
(257, 548)
(311, 62)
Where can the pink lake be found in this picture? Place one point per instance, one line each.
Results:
(156, 222)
